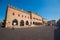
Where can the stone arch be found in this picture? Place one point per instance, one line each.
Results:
(15, 22)
(22, 23)
(27, 23)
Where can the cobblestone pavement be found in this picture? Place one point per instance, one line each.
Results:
(33, 33)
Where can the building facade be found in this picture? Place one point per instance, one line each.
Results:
(44, 21)
(16, 18)
(51, 23)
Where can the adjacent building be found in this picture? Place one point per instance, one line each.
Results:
(51, 22)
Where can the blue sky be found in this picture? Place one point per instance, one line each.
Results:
(48, 9)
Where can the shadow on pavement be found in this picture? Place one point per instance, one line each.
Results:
(57, 34)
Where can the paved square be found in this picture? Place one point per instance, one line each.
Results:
(34, 33)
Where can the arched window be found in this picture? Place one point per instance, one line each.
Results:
(19, 15)
(15, 22)
(21, 23)
(28, 17)
(27, 23)
(33, 22)
(25, 16)
(13, 14)
(22, 15)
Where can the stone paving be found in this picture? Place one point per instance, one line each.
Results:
(33, 33)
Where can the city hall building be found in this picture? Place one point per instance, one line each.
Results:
(16, 18)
